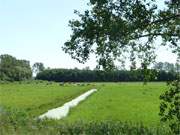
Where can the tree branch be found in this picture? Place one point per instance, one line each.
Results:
(153, 34)
(165, 19)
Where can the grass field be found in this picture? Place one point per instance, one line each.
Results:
(122, 101)
(113, 102)
(36, 99)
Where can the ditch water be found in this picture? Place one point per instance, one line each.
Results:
(61, 112)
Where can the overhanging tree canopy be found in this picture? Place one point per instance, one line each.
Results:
(111, 27)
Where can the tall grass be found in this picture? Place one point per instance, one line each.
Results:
(18, 123)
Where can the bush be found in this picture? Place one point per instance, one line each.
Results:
(170, 106)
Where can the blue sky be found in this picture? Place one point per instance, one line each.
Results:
(36, 29)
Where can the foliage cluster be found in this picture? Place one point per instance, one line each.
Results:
(12, 69)
(117, 29)
(170, 106)
(38, 67)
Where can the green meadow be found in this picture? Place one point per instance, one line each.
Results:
(113, 101)
(121, 102)
(36, 98)
(116, 108)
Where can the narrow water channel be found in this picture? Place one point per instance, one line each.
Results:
(61, 112)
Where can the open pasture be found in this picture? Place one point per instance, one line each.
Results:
(36, 98)
(121, 102)
(113, 101)
(106, 110)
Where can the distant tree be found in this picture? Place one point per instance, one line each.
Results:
(38, 67)
(169, 67)
(177, 67)
(159, 66)
(86, 68)
(6, 64)
(166, 66)
(12, 69)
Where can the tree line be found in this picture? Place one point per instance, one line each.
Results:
(12, 69)
(84, 75)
